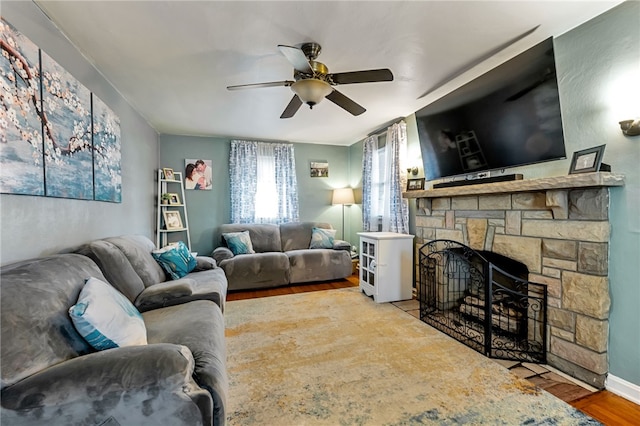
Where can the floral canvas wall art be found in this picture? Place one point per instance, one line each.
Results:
(22, 170)
(67, 133)
(55, 140)
(106, 153)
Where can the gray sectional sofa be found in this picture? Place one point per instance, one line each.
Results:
(51, 375)
(282, 256)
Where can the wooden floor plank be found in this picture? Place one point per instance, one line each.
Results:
(609, 408)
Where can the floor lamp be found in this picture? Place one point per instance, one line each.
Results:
(344, 197)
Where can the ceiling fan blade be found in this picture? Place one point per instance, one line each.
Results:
(369, 76)
(345, 103)
(285, 83)
(292, 108)
(297, 58)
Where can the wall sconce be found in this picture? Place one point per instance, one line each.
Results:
(413, 170)
(630, 127)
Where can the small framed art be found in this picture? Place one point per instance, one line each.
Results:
(415, 184)
(168, 173)
(172, 220)
(587, 160)
(319, 169)
(174, 199)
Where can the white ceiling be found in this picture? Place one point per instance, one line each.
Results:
(172, 60)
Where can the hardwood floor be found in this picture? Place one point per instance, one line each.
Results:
(609, 408)
(605, 406)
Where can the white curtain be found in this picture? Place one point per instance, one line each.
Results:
(384, 179)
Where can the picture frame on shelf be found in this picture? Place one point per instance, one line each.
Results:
(415, 184)
(587, 160)
(174, 199)
(172, 220)
(168, 173)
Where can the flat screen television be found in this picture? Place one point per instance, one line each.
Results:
(509, 116)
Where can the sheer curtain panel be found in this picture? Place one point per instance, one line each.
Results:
(263, 182)
(383, 180)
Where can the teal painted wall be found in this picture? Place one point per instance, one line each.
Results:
(38, 226)
(207, 210)
(599, 74)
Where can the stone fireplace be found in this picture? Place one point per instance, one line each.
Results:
(559, 228)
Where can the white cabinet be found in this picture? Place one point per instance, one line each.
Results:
(172, 224)
(386, 266)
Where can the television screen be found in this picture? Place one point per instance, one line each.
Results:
(507, 117)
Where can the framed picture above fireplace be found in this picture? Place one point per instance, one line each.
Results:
(587, 160)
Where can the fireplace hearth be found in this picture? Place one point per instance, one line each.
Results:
(484, 300)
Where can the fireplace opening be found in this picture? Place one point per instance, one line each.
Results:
(484, 300)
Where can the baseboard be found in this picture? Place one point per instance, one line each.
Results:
(622, 388)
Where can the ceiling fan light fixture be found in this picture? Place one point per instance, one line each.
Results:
(311, 91)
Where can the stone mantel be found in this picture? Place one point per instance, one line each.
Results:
(582, 180)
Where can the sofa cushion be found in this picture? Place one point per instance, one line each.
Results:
(264, 237)
(198, 325)
(319, 265)
(115, 266)
(322, 238)
(175, 259)
(258, 270)
(297, 235)
(105, 318)
(239, 242)
(137, 249)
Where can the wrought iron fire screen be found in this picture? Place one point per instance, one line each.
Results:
(483, 300)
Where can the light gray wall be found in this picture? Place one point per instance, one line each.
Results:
(35, 226)
(599, 73)
(207, 210)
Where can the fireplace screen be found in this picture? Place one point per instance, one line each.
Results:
(484, 300)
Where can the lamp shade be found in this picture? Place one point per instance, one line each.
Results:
(343, 196)
(311, 91)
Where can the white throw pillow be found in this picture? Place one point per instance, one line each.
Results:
(105, 318)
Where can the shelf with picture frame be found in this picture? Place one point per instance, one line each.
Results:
(172, 222)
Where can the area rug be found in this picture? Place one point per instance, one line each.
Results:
(336, 357)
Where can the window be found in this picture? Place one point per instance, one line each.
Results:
(263, 182)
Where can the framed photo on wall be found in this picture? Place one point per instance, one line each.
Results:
(198, 174)
(587, 160)
(319, 169)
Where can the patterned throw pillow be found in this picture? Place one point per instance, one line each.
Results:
(322, 238)
(239, 242)
(175, 259)
(105, 318)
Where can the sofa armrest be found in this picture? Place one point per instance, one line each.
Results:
(132, 385)
(341, 245)
(204, 263)
(222, 253)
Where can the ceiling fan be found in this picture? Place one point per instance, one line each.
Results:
(313, 82)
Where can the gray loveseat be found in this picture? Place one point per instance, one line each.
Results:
(127, 263)
(282, 256)
(50, 375)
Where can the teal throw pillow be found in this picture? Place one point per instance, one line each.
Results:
(105, 318)
(322, 238)
(175, 259)
(239, 242)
